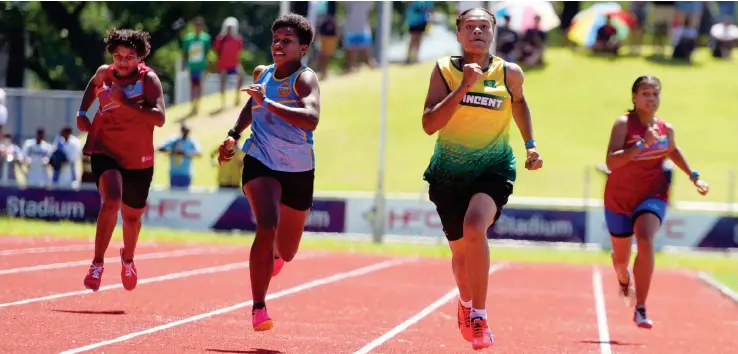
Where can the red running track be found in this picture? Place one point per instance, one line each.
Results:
(532, 309)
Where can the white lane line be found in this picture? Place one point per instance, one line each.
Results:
(419, 316)
(722, 288)
(309, 285)
(601, 310)
(51, 249)
(171, 276)
(157, 255)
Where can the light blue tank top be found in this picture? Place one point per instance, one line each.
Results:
(279, 145)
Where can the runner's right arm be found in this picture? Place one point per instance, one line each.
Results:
(89, 96)
(440, 103)
(96, 80)
(245, 117)
(616, 155)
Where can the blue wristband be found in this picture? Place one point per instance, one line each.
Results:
(694, 175)
(82, 113)
(530, 144)
(639, 145)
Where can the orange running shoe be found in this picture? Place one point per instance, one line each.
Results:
(94, 276)
(128, 275)
(482, 335)
(464, 322)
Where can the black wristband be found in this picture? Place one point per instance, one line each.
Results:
(232, 133)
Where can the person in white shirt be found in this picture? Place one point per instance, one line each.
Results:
(36, 154)
(65, 174)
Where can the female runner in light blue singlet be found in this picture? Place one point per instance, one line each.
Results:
(279, 166)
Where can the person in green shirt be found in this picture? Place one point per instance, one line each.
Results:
(195, 46)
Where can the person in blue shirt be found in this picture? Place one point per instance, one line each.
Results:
(279, 167)
(181, 150)
(416, 19)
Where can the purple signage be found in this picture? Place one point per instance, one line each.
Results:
(324, 216)
(50, 204)
(540, 225)
(724, 234)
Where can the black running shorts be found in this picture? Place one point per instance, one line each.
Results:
(297, 187)
(452, 200)
(136, 183)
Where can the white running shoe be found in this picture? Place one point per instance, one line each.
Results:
(641, 319)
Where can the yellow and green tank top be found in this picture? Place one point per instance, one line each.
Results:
(475, 140)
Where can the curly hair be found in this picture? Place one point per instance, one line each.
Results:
(305, 30)
(492, 17)
(138, 40)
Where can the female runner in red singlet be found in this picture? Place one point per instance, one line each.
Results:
(120, 143)
(637, 189)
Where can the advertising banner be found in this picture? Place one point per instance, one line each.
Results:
(325, 216)
(420, 218)
(403, 217)
(723, 234)
(682, 229)
(185, 210)
(540, 225)
(50, 204)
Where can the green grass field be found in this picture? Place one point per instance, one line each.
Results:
(720, 265)
(574, 101)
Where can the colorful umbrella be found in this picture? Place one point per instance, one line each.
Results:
(522, 15)
(585, 24)
(598, 8)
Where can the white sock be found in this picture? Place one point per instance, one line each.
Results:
(465, 304)
(478, 313)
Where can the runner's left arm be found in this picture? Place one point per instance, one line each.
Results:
(677, 156)
(520, 110)
(308, 114)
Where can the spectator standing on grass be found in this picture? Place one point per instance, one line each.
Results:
(196, 45)
(36, 155)
(181, 150)
(357, 37)
(63, 160)
(228, 44)
(327, 38)
(417, 15)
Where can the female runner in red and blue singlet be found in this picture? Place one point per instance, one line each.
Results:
(637, 189)
(120, 143)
